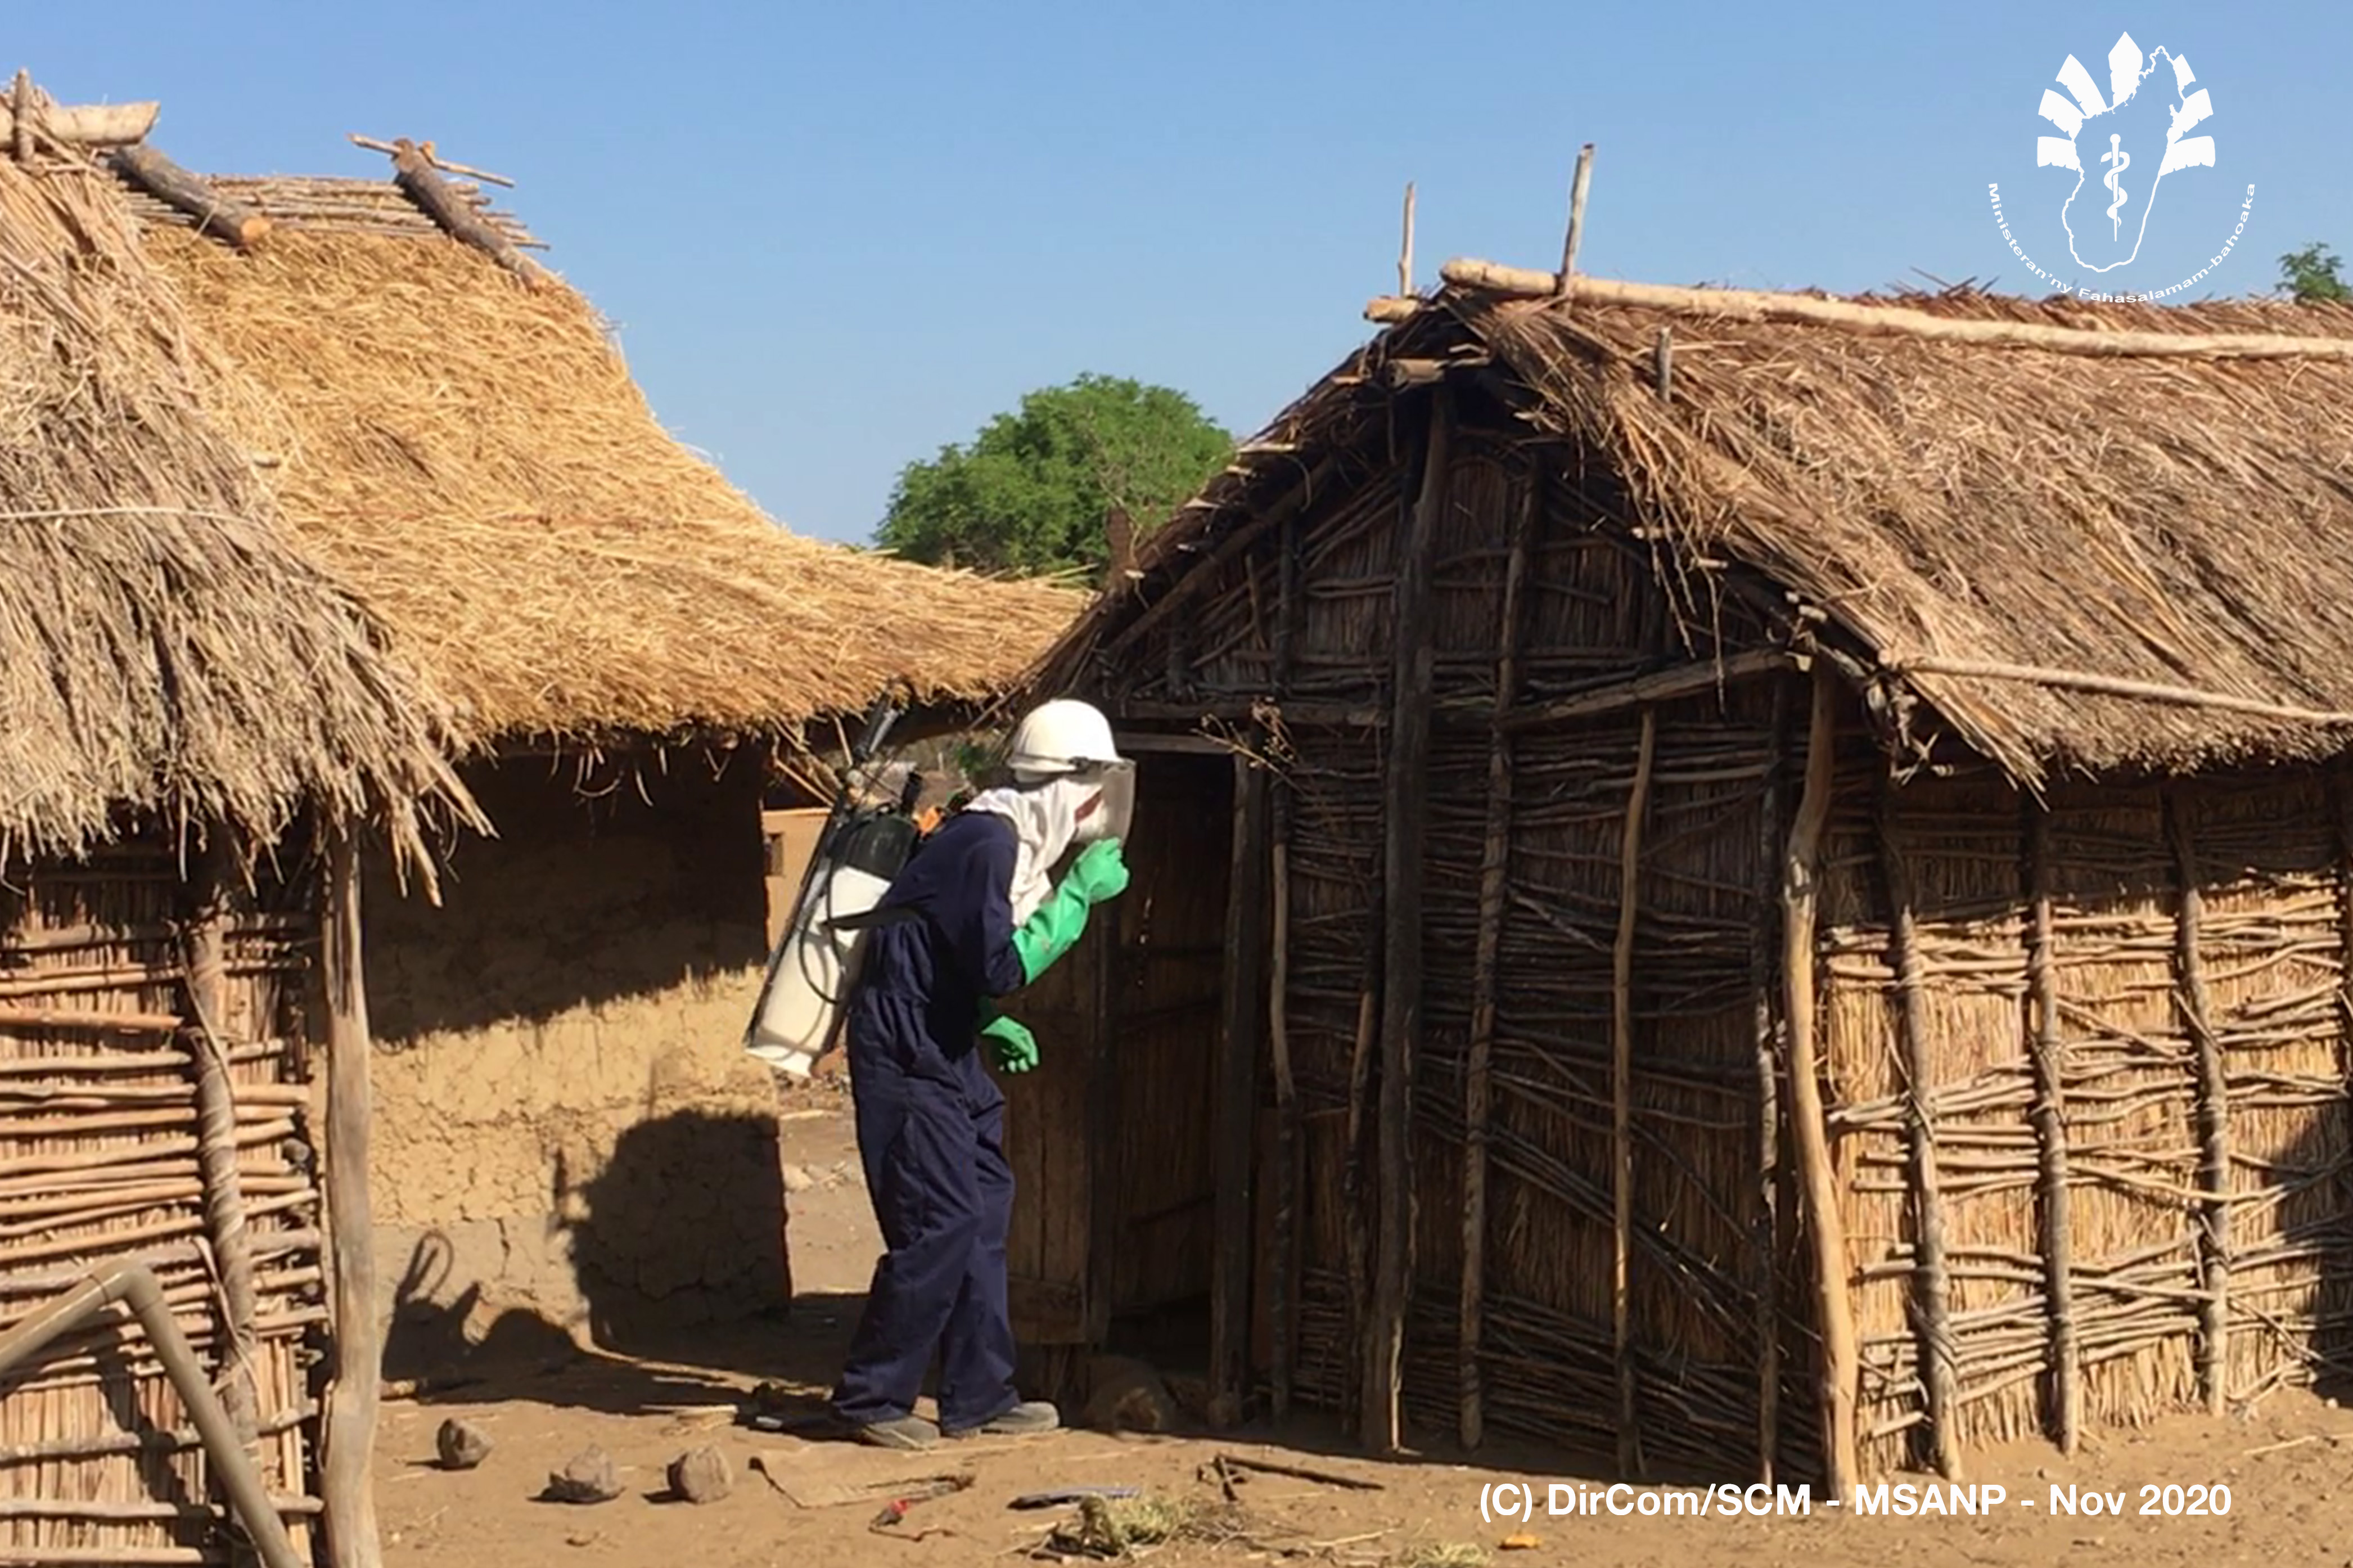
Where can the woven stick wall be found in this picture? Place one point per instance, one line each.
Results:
(2084, 1070)
(122, 1139)
(1514, 1055)
(2110, 1318)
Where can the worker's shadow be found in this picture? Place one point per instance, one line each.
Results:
(679, 1249)
(429, 1342)
(678, 1252)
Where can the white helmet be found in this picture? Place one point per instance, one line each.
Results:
(1066, 738)
(1061, 737)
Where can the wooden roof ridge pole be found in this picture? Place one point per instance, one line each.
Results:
(1800, 892)
(1894, 321)
(145, 169)
(414, 172)
(85, 125)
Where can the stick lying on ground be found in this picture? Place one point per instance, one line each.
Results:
(895, 1511)
(1296, 1473)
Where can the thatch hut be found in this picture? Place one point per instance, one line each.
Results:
(568, 1130)
(194, 723)
(1796, 912)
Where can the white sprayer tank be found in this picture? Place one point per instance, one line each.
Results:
(810, 975)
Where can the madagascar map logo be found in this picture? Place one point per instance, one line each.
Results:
(2122, 145)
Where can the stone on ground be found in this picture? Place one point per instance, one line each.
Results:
(589, 1477)
(701, 1477)
(461, 1444)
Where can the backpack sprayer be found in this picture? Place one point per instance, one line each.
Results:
(814, 966)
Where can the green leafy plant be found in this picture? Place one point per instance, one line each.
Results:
(2315, 274)
(1031, 493)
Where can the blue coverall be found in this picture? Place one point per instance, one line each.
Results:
(930, 1133)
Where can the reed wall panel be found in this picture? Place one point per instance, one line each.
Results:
(2274, 949)
(2272, 877)
(100, 1162)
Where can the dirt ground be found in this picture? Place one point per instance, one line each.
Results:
(2287, 1464)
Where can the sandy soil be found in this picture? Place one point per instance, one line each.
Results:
(2285, 1463)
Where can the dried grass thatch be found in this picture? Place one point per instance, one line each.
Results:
(164, 653)
(2177, 521)
(473, 459)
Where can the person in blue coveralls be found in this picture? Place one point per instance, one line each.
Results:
(977, 918)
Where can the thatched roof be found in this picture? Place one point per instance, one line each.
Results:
(470, 455)
(164, 654)
(2006, 532)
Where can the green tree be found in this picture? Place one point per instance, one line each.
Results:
(2311, 275)
(1031, 491)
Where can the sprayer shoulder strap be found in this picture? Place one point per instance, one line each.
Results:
(895, 914)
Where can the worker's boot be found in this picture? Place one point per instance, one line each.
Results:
(911, 1432)
(1028, 1419)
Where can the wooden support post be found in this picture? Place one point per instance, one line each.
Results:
(1286, 1114)
(1405, 248)
(1769, 829)
(1931, 1285)
(422, 184)
(1621, 1096)
(1106, 1180)
(1283, 1292)
(2213, 1109)
(2341, 794)
(348, 1488)
(1486, 965)
(204, 946)
(1576, 217)
(1237, 1118)
(1355, 1203)
(2048, 1050)
(1800, 892)
(20, 103)
(144, 169)
(1407, 782)
(1664, 366)
(1288, 605)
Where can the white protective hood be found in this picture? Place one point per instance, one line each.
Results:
(1045, 818)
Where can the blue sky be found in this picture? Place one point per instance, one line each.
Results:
(834, 239)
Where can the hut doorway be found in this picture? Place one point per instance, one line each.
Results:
(1112, 1137)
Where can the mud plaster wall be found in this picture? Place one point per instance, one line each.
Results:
(570, 1146)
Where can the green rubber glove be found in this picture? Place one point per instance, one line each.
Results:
(1099, 874)
(1011, 1045)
